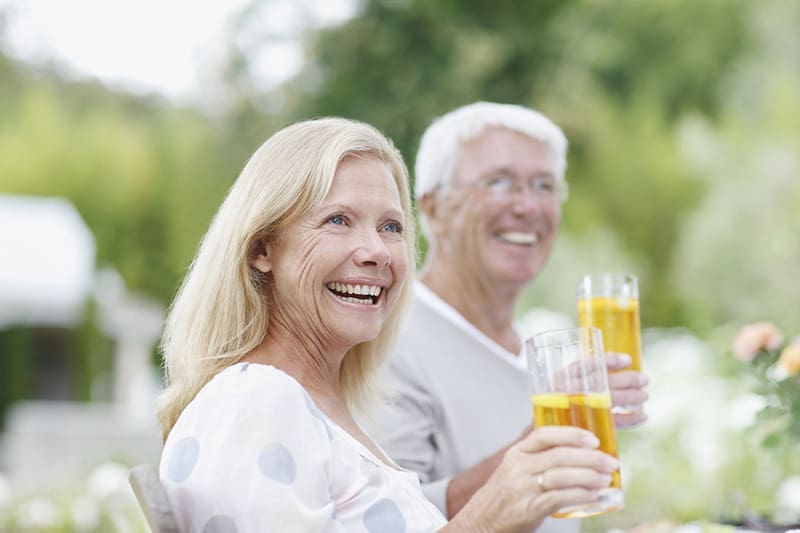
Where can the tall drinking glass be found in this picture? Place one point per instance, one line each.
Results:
(610, 302)
(569, 387)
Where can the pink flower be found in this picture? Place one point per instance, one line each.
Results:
(753, 338)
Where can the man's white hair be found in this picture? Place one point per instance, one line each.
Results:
(439, 147)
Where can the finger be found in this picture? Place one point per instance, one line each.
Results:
(627, 380)
(570, 457)
(546, 437)
(551, 501)
(525, 432)
(629, 397)
(617, 361)
(572, 477)
(629, 420)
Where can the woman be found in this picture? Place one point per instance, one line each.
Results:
(290, 305)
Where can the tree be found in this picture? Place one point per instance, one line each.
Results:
(618, 79)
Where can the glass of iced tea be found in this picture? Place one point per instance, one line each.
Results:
(569, 387)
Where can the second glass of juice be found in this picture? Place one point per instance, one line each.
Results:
(610, 302)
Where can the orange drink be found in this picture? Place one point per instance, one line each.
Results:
(569, 387)
(587, 411)
(618, 319)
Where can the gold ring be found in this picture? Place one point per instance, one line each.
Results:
(540, 482)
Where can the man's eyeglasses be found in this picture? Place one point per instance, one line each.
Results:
(504, 185)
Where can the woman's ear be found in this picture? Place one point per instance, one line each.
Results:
(260, 257)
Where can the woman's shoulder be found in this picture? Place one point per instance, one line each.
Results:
(251, 431)
(250, 405)
(250, 387)
(246, 376)
(249, 397)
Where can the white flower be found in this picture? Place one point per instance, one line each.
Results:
(85, 514)
(787, 499)
(689, 528)
(743, 410)
(37, 513)
(108, 479)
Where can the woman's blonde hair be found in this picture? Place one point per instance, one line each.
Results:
(221, 311)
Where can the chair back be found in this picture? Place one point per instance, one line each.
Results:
(153, 500)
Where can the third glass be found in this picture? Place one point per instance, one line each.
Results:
(610, 302)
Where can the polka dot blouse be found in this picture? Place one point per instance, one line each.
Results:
(252, 453)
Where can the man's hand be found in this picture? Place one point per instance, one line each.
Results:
(627, 389)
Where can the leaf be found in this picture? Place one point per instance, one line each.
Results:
(772, 440)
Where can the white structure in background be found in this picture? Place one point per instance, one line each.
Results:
(134, 322)
(47, 276)
(46, 261)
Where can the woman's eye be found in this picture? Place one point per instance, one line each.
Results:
(393, 227)
(337, 219)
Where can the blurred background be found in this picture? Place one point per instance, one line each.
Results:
(122, 125)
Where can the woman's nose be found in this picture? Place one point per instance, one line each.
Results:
(372, 250)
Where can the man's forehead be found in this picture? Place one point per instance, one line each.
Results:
(505, 149)
(497, 133)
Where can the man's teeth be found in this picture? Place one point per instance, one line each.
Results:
(518, 237)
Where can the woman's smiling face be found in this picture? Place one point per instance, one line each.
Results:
(337, 271)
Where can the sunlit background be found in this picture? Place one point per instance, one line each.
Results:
(123, 123)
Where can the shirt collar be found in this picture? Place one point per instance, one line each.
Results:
(434, 301)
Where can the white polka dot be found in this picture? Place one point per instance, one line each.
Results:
(183, 459)
(384, 516)
(220, 524)
(277, 463)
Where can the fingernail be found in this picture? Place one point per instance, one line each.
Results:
(591, 441)
(625, 359)
(611, 463)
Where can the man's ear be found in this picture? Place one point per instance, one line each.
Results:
(259, 257)
(431, 206)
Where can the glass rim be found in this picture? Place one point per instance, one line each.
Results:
(600, 284)
(612, 274)
(576, 331)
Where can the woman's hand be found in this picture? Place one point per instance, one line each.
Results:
(552, 467)
(627, 388)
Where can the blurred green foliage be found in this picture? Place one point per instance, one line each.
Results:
(616, 78)
(145, 177)
(683, 119)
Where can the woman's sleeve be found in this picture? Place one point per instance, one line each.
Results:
(254, 455)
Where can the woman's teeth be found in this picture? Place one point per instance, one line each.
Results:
(357, 294)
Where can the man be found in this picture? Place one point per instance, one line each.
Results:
(489, 187)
